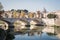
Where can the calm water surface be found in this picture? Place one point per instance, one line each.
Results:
(42, 36)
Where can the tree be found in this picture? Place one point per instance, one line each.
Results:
(52, 16)
(1, 11)
(26, 11)
(19, 10)
(1, 7)
(12, 9)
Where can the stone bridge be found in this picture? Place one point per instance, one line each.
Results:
(10, 21)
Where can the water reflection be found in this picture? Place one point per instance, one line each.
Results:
(35, 36)
(28, 36)
(33, 33)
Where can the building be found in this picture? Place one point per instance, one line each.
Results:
(57, 13)
(57, 20)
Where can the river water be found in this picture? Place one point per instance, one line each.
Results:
(42, 36)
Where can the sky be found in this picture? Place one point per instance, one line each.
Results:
(31, 5)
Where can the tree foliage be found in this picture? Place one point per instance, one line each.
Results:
(26, 11)
(52, 16)
(1, 7)
(12, 9)
(19, 10)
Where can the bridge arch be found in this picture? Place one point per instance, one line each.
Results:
(20, 24)
(3, 25)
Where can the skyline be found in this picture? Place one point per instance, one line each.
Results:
(31, 5)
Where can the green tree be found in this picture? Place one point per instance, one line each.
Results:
(12, 9)
(26, 11)
(52, 16)
(19, 10)
(1, 10)
(1, 7)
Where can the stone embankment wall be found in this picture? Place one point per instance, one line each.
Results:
(57, 22)
(48, 22)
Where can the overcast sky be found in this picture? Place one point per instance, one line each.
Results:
(31, 5)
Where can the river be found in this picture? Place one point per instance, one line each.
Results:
(43, 36)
